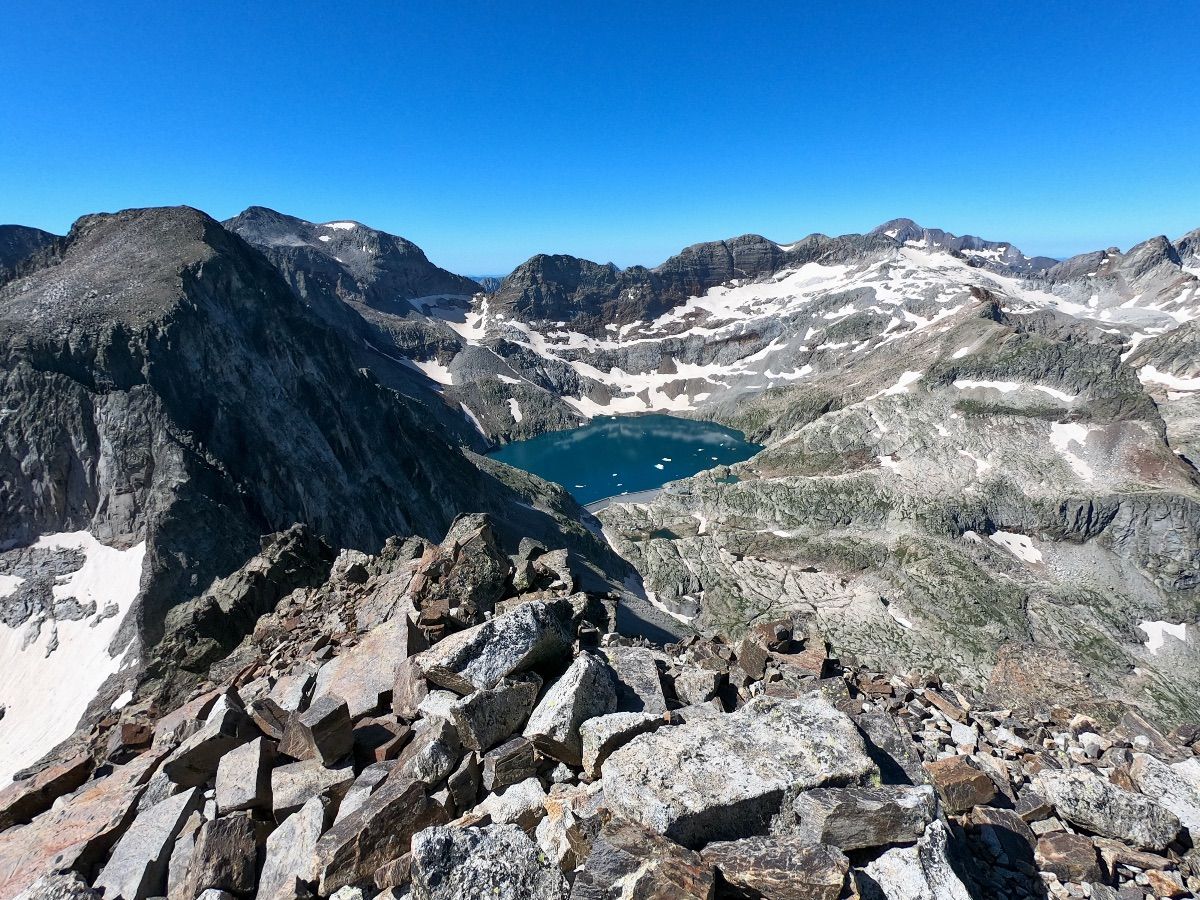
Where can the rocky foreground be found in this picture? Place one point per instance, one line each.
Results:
(444, 721)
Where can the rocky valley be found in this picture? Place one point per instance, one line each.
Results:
(274, 624)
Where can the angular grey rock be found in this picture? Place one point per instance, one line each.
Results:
(639, 681)
(573, 817)
(1097, 805)
(587, 689)
(463, 783)
(195, 760)
(59, 886)
(522, 805)
(489, 716)
(728, 778)
(694, 686)
(364, 675)
(781, 867)
(244, 777)
(604, 734)
(294, 784)
(137, 867)
(377, 832)
(857, 817)
(920, 872)
(363, 787)
(507, 764)
(533, 633)
(892, 749)
(322, 732)
(224, 858)
(499, 862)
(1175, 786)
(289, 859)
(433, 752)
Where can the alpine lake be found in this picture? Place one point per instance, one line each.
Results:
(613, 456)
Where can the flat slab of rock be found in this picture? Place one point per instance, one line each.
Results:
(323, 732)
(488, 717)
(1099, 806)
(604, 734)
(289, 855)
(1072, 857)
(511, 762)
(587, 689)
(196, 759)
(727, 778)
(363, 676)
(137, 867)
(224, 857)
(629, 862)
(499, 862)
(783, 868)
(22, 800)
(1176, 785)
(521, 805)
(893, 749)
(295, 784)
(639, 685)
(477, 658)
(244, 777)
(919, 872)
(853, 818)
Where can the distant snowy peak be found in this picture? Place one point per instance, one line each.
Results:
(977, 251)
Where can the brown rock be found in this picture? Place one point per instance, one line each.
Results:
(811, 661)
(409, 689)
(752, 658)
(378, 831)
(783, 867)
(959, 784)
(1072, 857)
(321, 732)
(396, 873)
(652, 866)
(195, 761)
(128, 739)
(511, 762)
(1166, 884)
(77, 831)
(224, 857)
(948, 707)
(364, 675)
(22, 800)
(269, 716)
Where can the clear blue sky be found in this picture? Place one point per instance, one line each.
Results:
(487, 132)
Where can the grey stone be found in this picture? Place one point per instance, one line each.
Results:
(289, 859)
(491, 715)
(224, 857)
(512, 642)
(587, 689)
(507, 764)
(363, 787)
(920, 872)
(195, 761)
(322, 732)
(521, 804)
(364, 675)
(628, 862)
(1175, 786)
(604, 734)
(433, 752)
(1099, 806)
(780, 867)
(892, 749)
(639, 681)
(137, 867)
(696, 685)
(244, 777)
(853, 818)
(294, 784)
(499, 862)
(59, 886)
(728, 778)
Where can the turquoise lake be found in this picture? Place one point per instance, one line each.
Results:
(625, 454)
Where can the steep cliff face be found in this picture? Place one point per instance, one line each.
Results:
(161, 383)
(17, 244)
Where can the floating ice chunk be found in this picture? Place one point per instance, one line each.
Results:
(658, 465)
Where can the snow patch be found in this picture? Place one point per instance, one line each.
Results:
(46, 688)
(341, 226)
(1007, 387)
(1019, 545)
(899, 617)
(1062, 436)
(1151, 375)
(474, 421)
(515, 409)
(901, 386)
(1156, 633)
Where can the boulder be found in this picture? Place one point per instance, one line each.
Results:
(571, 823)
(137, 867)
(1176, 786)
(224, 857)
(409, 689)
(293, 785)
(520, 805)
(195, 761)
(920, 872)
(1072, 857)
(507, 764)
(530, 635)
(629, 862)
(59, 886)
(1099, 806)
(499, 862)
(639, 683)
(368, 780)
(697, 685)
(244, 777)
(489, 716)
(365, 674)
(728, 778)
(433, 752)
(892, 749)
(461, 580)
(289, 860)
(587, 689)
(378, 831)
(322, 732)
(960, 785)
(604, 734)
(463, 783)
(857, 817)
(269, 716)
(780, 867)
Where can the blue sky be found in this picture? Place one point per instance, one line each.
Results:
(619, 131)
